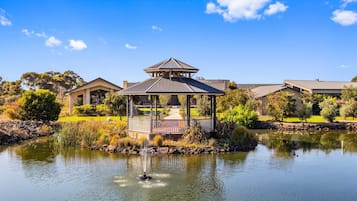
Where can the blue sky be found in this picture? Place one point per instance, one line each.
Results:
(248, 41)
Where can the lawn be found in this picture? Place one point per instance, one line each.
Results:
(89, 118)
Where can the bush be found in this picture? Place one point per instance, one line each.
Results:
(86, 109)
(305, 111)
(39, 105)
(195, 133)
(158, 141)
(241, 115)
(13, 110)
(329, 109)
(241, 137)
(102, 110)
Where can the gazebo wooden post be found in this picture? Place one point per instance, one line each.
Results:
(211, 112)
(127, 110)
(131, 106)
(214, 113)
(188, 105)
(156, 123)
(150, 97)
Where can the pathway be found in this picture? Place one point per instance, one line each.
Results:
(174, 114)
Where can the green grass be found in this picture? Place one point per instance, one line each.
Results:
(312, 119)
(89, 118)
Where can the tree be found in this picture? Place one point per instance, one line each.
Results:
(232, 85)
(348, 93)
(329, 109)
(233, 98)
(349, 109)
(242, 115)
(40, 105)
(305, 111)
(164, 99)
(281, 105)
(116, 104)
(11, 88)
(203, 105)
(354, 79)
(53, 81)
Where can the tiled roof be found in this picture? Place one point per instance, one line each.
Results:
(319, 85)
(218, 84)
(97, 79)
(266, 90)
(173, 65)
(175, 85)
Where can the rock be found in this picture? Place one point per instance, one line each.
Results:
(112, 149)
(163, 150)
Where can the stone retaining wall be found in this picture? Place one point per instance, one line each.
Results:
(322, 126)
(16, 131)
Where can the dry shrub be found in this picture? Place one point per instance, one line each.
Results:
(158, 141)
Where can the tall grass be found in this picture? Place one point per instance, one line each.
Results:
(90, 133)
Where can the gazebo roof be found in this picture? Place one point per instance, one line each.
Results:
(171, 65)
(175, 85)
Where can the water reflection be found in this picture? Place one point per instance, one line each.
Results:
(277, 171)
(285, 145)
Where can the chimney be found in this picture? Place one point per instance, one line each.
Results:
(125, 84)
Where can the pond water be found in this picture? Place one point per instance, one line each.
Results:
(283, 167)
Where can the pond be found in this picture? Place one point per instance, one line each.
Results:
(283, 167)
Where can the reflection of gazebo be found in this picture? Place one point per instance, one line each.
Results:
(169, 77)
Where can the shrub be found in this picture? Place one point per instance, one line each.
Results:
(102, 110)
(329, 109)
(195, 133)
(158, 141)
(103, 138)
(86, 109)
(305, 111)
(212, 142)
(13, 110)
(224, 129)
(115, 140)
(241, 115)
(39, 105)
(142, 141)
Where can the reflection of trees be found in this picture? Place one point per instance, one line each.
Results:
(349, 142)
(285, 145)
(39, 150)
(330, 141)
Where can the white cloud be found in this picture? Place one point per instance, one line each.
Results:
(344, 17)
(233, 10)
(4, 21)
(343, 66)
(77, 45)
(52, 42)
(127, 45)
(275, 8)
(33, 33)
(346, 2)
(156, 28)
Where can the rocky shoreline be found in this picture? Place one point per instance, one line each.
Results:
(176, 150)
(311, 127)
(12, 132)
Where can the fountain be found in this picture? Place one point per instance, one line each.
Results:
(144, 177)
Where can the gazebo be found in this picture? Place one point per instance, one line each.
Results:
(169, 77)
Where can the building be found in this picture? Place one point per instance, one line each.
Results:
(92, 92)
(297, 87)
(330, 88)
(169, 77)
